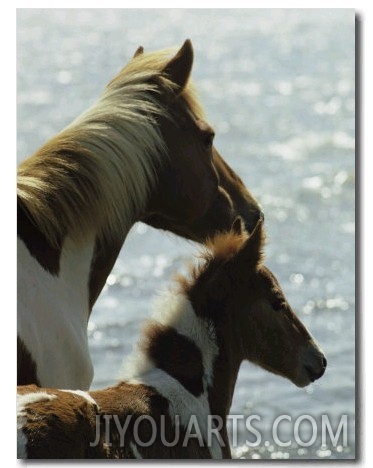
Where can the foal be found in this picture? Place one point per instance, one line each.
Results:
(185, 368)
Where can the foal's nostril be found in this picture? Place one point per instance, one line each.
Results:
(316, 371)
(316, 374)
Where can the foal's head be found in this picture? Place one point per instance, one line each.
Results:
(250, 313)
(197, 194)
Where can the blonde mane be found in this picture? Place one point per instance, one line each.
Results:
(97, 174)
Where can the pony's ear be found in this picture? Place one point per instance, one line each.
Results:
(179, 67)
(138, 52)
(251, 253)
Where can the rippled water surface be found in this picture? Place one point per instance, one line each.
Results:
(278, 86)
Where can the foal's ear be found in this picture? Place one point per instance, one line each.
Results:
(179, 67)
(138, 52)
(251, 253)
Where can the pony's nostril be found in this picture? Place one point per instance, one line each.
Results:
(324, 362)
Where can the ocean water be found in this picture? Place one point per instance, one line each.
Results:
(278, 86)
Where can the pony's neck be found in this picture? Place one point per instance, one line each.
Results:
(98, 174)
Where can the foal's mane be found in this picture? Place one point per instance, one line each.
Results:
(222, 248)
(98, 172)
(217, 250)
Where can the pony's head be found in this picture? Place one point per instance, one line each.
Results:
(197, 193)
(143, 151)
(251, 316)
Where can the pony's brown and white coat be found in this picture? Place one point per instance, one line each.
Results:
(142, 152)
(88, 185)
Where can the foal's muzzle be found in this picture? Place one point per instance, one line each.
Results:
(312, 365)
(316, 371)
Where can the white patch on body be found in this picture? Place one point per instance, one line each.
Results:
(182, 403)
(30, 398)
(22, 402)
(53, 313)
(175, 310)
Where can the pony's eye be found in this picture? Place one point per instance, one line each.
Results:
(208, 140)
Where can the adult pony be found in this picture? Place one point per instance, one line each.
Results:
(143, 152)
(176, 394)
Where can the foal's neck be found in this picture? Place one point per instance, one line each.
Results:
(192, 350)
(184, 347)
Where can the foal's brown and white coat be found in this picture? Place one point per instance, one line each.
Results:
(186, 364)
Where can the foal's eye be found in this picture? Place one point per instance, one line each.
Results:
(208, 140)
